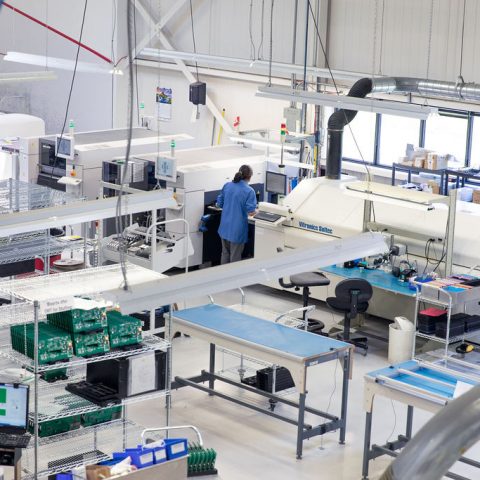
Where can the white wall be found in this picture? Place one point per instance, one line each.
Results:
(91, 104)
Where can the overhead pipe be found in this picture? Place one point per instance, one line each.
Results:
(445, 438)
(405, 85)
(336, 123)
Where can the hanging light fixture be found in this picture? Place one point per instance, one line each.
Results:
(27, 76)
(61, 63)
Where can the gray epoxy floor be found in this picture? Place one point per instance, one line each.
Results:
(251, 445)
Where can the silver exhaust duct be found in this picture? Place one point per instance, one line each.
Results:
(428, 88)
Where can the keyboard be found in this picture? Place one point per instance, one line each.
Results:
(14, 441)
(267, 216)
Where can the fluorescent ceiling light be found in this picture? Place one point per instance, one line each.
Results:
(288, 147)
(350, 103)
(213, 280)
(27, 76)
(379, 192)
(260, 67)
(60, 63)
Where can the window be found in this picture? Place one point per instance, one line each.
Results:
(395, 133)
(447, 133)
(363, 128)
(475, 155)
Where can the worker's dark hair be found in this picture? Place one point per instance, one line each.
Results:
(244, 173)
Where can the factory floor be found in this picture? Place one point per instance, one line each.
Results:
(251, 445)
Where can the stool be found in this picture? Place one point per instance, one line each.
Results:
(351, 298)
(305, 281)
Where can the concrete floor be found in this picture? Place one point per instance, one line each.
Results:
(251, 445)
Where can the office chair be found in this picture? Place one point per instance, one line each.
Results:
(351, 298)
(304, 281)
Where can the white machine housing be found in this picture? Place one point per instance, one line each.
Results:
(91, 149)
(318, 210)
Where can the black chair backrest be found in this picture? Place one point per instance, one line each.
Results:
(361, 287)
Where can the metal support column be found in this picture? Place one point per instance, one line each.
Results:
(36, 308)
(301, 421)
(343, 414)
(211, 381)
(452, 211)
(366, 445)
(408, 430)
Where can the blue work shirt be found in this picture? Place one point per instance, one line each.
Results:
(237, 201)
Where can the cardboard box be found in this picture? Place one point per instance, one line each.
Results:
(476, 196)
(419, 162)
(434, 186)
(435, 161)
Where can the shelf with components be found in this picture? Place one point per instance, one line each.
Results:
(18, 196)
(150, 343)
(85, 446)
(36, 297)
(443, 300)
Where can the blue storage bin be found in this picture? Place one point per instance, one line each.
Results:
(176, 447)
(64, 476)
(141, 457)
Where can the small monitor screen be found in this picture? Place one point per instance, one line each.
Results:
(13, 405)
(64, 147)
(166, 168)
(276, 183)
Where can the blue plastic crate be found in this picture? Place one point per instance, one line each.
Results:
(176, 447)
(141, 457)
(64, 476)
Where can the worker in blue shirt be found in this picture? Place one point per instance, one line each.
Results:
(238, 201)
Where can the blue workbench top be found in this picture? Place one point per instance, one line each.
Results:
(255, 330)
(427, 381)
(377, 278)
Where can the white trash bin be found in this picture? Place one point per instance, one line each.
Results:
(400, 340)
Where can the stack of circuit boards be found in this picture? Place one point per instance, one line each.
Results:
(54, 344)
(88, 329)
(123, 329)
(73, 422)
(201, 461)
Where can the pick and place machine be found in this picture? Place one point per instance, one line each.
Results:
(196, 176)
(73, 163)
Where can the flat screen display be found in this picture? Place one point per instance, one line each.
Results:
(276, 183)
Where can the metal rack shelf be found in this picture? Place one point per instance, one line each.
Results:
(55, 402)
(91, 281)
(149, 343)
(18, 196)
(451, 339)
(87, 446)
(16, 313)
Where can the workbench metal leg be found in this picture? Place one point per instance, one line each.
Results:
(211, 381)
(408, 432)
(301, 419)
(346, 376)
(366, 445)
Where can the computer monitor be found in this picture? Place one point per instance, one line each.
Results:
(166, 169)
(65, 147)
(276, 183)
(13, 407)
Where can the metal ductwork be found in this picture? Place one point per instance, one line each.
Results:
(441, 442)
(336, 124)
(460, 91)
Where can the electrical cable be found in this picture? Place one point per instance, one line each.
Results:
(71, 87)
(118, 218)
(112, 53)
(135, 59)
(193, 37)
(463, 36)
(331, 397)
(260, 47)
(250, 21)
(270, 58)
(327, 63)
(394, 422)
